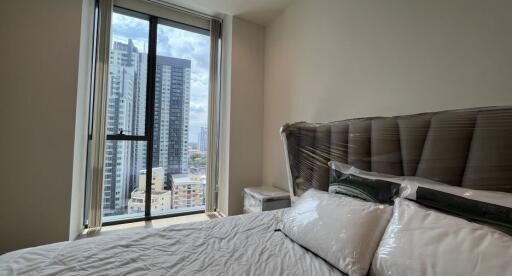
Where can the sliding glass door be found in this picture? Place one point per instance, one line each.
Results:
(157, 117)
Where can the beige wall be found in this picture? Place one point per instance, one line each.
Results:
(331, 59)
(242, 118)
(38, 92)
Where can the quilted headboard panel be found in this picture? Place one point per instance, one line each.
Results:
(467, 147)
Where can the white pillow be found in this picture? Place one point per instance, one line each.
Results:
(411, 184)
(421, 241)
(342, 230)
(347, 169)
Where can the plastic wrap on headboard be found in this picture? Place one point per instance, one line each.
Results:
(466, 147)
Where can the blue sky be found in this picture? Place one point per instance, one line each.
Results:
(174, 42)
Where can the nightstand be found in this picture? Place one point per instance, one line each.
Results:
(265, 198)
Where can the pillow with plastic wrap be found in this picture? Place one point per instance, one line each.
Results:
(486, 207)
(410, 186)
(422, 241)
(356, 183)
(342, 230)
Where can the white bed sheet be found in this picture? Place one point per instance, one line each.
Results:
(239, 245)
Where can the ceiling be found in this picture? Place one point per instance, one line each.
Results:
(261, 12)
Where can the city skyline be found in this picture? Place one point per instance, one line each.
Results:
(173, 113)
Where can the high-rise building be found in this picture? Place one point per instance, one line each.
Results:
(172, 103)
(139, 119)
(202, 139)
(122, 87)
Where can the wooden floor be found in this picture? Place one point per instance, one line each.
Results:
(157, 223)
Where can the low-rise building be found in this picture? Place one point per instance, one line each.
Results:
(161, 200)
(188, 191)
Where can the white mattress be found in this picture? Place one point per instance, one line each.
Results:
(239, 245)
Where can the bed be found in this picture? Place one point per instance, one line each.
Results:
(468, 148)
(238, 245)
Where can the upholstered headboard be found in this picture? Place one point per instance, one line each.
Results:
(467, 147)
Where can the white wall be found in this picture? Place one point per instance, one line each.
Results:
(330, 59)
(242, 118)
(38, 93)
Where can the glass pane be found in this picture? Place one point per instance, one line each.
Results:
(181, 116)
(124, 179)
(127, 75)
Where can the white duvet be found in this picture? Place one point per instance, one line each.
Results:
(239, 245)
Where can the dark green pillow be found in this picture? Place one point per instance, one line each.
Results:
(372, 190)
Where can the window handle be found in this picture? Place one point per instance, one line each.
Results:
(121, 131)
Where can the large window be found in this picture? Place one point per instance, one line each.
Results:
(157, 117)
